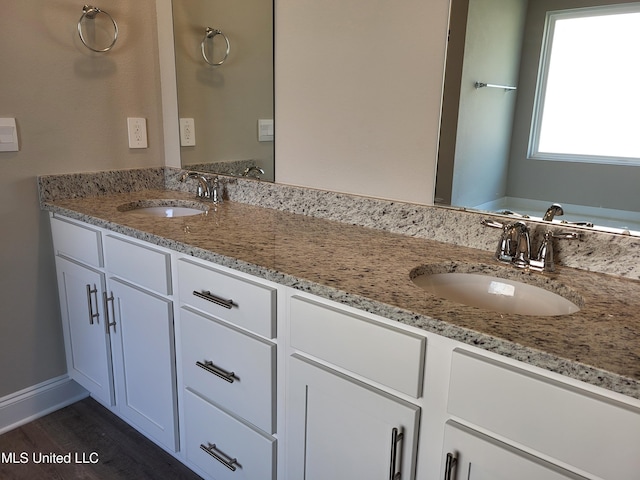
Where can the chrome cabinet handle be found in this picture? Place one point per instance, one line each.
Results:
(396, 438)
(209, 297)
(108, 323)
(227, 461)
(92, 291)
(450, 465)
(217, 371)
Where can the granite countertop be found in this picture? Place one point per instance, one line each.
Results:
(370, 269)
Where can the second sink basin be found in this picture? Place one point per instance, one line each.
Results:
(494, 293)
(165, 208)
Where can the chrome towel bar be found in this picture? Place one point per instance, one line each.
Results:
(491, 85)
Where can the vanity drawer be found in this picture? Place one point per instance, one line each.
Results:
(228, 297)
(140, 264)
(390, 356)
(250, 391)
(77, 241)
(206, 426)
(556, 419)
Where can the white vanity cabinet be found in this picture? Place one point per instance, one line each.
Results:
(319, 391)
(81, 287)
(118, 325)
(228, 363)
(339, 426)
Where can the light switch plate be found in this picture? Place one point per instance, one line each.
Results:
(8, 135)
(265, 130)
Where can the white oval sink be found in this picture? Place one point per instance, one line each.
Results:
(164, 208)
(495, 293)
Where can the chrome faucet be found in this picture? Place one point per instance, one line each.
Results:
(557, 210)
(514, 246)
(208, 189)
(253, 169)
(552, 211)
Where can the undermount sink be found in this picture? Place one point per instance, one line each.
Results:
(489, 292)
(165, 208)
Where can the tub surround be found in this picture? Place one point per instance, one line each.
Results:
(327, 252)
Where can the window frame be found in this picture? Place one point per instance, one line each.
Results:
(552, 17)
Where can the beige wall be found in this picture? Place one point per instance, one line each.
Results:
(358, 89)
(71, 107)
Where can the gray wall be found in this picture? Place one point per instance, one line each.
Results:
(71, 107)
(491, 55)
(610, 186)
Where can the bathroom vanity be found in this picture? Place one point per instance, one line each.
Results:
(260, 344)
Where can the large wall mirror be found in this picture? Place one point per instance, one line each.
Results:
(224, 80)
(485, 159)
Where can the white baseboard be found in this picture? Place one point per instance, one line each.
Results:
(38, 400)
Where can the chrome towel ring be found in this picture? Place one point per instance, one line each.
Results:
(90, 13)
(211, 33)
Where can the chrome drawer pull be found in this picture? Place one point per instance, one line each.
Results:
(217, 371)
(396, 437)
(92, 291)
(209, 297)
(449, 466)
(227, 461)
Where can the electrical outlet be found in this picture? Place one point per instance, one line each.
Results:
(137, 132)
(187, 132)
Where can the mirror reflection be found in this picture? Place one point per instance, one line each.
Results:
(224, 74)
(498, 72)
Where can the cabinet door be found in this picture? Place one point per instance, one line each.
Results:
(469, 455)
(341, 429)
(84, 324)
(143, 356)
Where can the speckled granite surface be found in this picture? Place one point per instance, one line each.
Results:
(596, 251)
(370, 269)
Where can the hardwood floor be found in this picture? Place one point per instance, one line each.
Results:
(90, 443)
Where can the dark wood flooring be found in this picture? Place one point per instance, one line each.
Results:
(88, 432)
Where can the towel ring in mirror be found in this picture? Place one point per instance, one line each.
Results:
(211, 33)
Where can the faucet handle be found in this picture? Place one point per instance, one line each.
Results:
(567, 235)
(487, 222)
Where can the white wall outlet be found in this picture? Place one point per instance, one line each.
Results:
(8, 135)
(137, 132)
(265, 130)
(187, 132)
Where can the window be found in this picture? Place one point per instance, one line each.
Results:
(588, 95)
